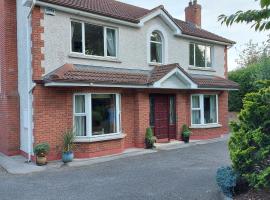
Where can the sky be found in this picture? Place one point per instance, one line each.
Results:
(240, 33)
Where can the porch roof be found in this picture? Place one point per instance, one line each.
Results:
(86, 74)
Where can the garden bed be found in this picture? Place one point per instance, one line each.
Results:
(254, 195)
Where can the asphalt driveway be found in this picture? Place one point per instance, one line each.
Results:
(186, 174)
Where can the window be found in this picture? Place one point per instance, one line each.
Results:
(200, 55)
(96, 114)
(204, 109)
(93, 40)
(156, 48)
(152, 111)
(172, 110)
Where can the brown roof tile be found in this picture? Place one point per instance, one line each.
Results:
(109, 75)
(130, 13)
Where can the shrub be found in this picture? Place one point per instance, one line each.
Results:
(185, 131)
(68, 141)
(41, 149)
(226, 180)
(249, 144)
(149, 139)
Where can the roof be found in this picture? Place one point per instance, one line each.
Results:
(130, 13)
(72, 73)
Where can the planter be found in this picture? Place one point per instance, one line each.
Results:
(185, 139)
(149, 144)
(41, 160)
(67, 157)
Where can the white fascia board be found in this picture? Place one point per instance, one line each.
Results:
(86, 14)
(177, 72)
(164, 16)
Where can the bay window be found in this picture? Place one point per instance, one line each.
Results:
(204, 109)
(93, 40)
(200, 55)
(96, 114)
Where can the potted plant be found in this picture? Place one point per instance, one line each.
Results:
(185, 133)
(149, 139)
(68, 155)
(41, 150)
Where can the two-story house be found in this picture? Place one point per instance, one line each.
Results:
(109, 70)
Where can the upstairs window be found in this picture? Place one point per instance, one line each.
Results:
(93, 40)
(156, 48)
(200, 55)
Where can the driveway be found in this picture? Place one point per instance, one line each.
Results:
(187, 174)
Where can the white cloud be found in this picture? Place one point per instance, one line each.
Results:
(241, 33)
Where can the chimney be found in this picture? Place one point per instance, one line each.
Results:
(193, 13)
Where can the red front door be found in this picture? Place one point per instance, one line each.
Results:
(163, 116)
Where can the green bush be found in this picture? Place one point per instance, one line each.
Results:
(246, 77)
(250, 142)
(226, 179)
(42, 149)
(185, 131)
(149, 138)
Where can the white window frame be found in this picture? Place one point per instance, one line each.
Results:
(88, 111)
(104, 40)
(162, 48)
(194, 53)
(201, 109)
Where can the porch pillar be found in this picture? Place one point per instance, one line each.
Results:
(182, 112)
(141, 118)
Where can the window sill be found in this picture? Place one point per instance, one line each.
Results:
(100, 58)
(205, 126)
(209, 69)
(155, 64)
(99, 138)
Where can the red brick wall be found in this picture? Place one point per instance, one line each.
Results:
(53, 115)
(9, 99)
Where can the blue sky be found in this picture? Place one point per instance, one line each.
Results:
(210, 12)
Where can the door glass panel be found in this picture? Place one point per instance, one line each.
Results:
(172, 110)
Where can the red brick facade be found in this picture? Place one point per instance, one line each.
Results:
(9, 98)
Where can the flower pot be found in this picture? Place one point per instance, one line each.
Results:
(41, 160)
(185, 139)
(67, 156)
(149, 144)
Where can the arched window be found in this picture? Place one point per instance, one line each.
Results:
(156, 48)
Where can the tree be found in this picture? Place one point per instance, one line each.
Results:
(258, 18)
(253, 65)
(249, 144)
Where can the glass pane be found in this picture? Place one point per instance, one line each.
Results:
(156, 52)
(76, 34)
(196, 117)
(79, 104)
(94, 43)
(156, 37)
(210, 109)
(103, 114)
(152, 111)
(172, 111)
(208, 56)
(80, 125)
(195, 102)
(191, 54)
(111, 42)
(200, 57)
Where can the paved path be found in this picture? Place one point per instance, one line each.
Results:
(187, 174)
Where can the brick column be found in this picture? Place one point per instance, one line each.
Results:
(141, 117)
(182, 112)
